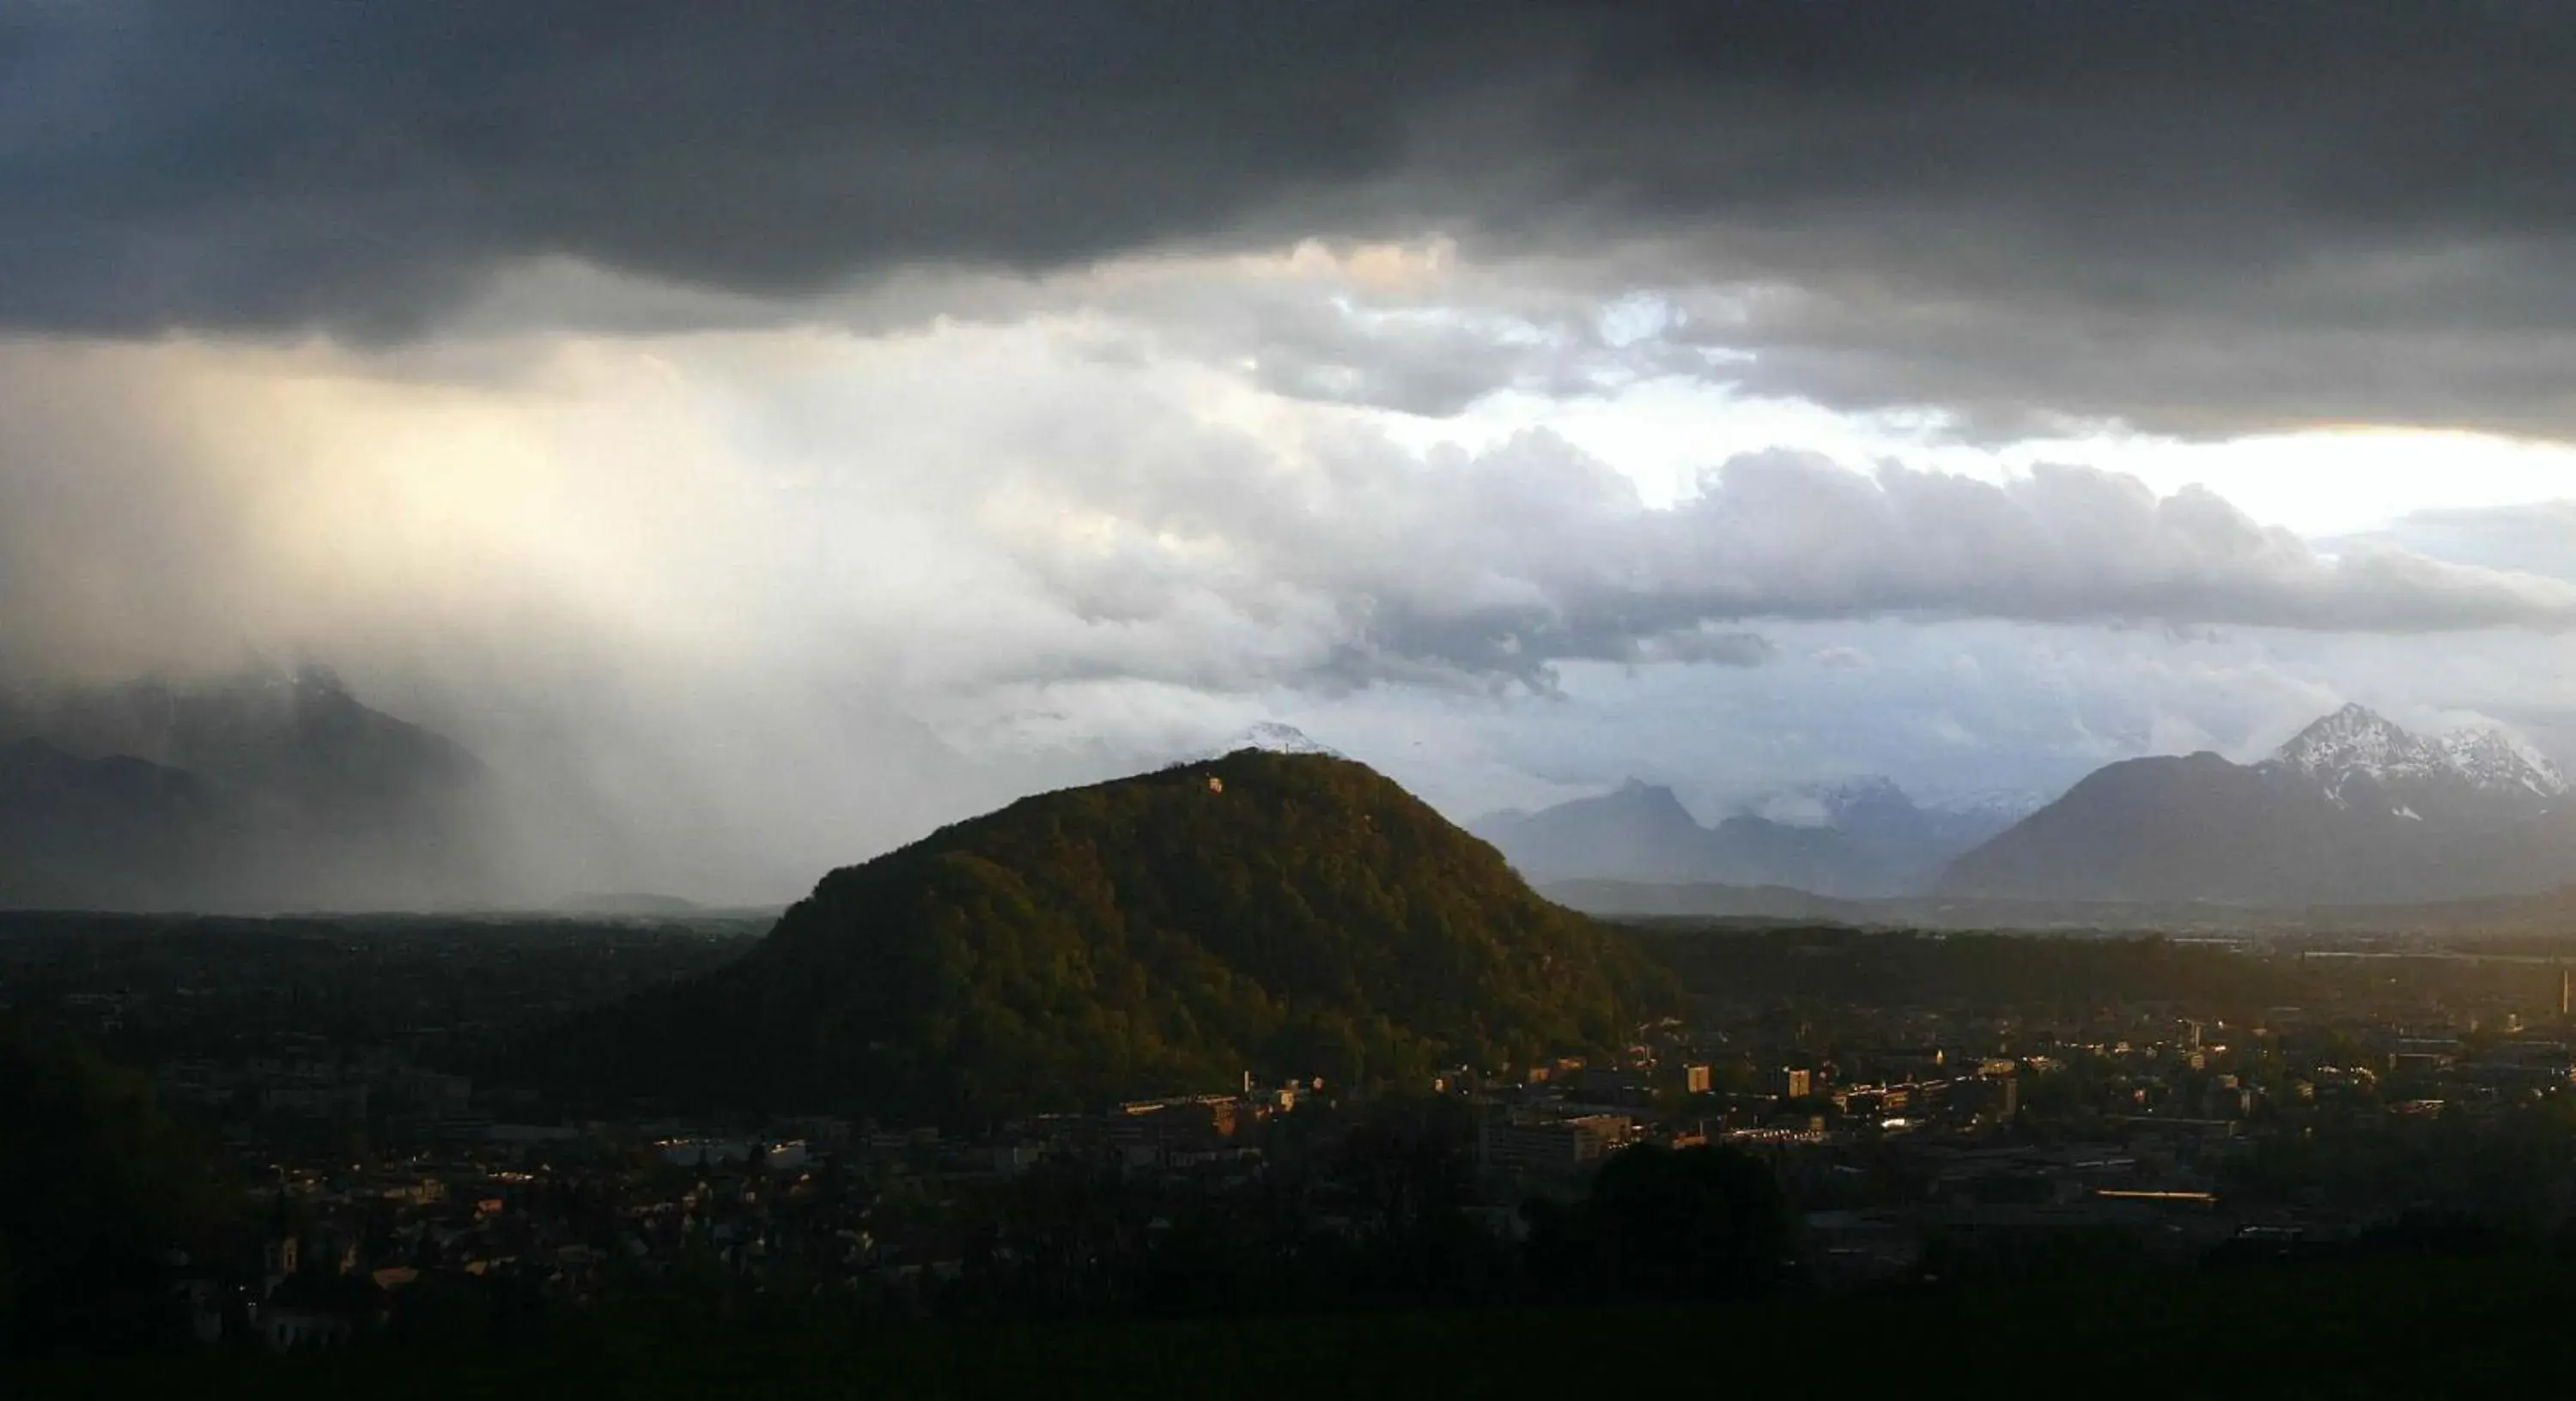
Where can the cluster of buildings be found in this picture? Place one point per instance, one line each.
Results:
(1907, 1138)
(309, 1081)
(556, 1213)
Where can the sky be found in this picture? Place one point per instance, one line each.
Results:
(764, 432)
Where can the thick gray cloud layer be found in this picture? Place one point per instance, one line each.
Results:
(2197, 214)
(1502, 566)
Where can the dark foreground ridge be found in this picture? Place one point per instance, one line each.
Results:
(2393, 1328)
(1285, 914)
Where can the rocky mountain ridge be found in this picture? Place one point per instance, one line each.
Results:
(2353, 810)
(1864, 838)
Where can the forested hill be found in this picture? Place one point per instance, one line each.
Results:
(1280, 913)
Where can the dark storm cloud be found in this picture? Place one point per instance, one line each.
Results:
(2003, 205)
(358, 165)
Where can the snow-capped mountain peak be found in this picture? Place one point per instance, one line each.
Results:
(1280, 739)
(2497, 759)
(1875, 800)
(1862, 795)
(2357, 745)
(2358, 742)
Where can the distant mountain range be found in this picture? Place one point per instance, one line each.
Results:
(1874, 840)
(2354, 810)
(277, 789)
(263, 790)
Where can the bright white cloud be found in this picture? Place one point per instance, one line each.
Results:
(1663, 431)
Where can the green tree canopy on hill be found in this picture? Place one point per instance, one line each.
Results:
(96, 1188)
(1285, 914)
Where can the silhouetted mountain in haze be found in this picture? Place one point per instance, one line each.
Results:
(1909, 842)
(72, 830)
(1636, 832)
(267, 789)
(2354, 810)
(1874, 840)
(1287, 914)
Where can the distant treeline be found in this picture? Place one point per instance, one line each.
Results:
(157, 988)
(1875, 968)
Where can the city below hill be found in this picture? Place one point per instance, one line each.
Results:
(1273, 913)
